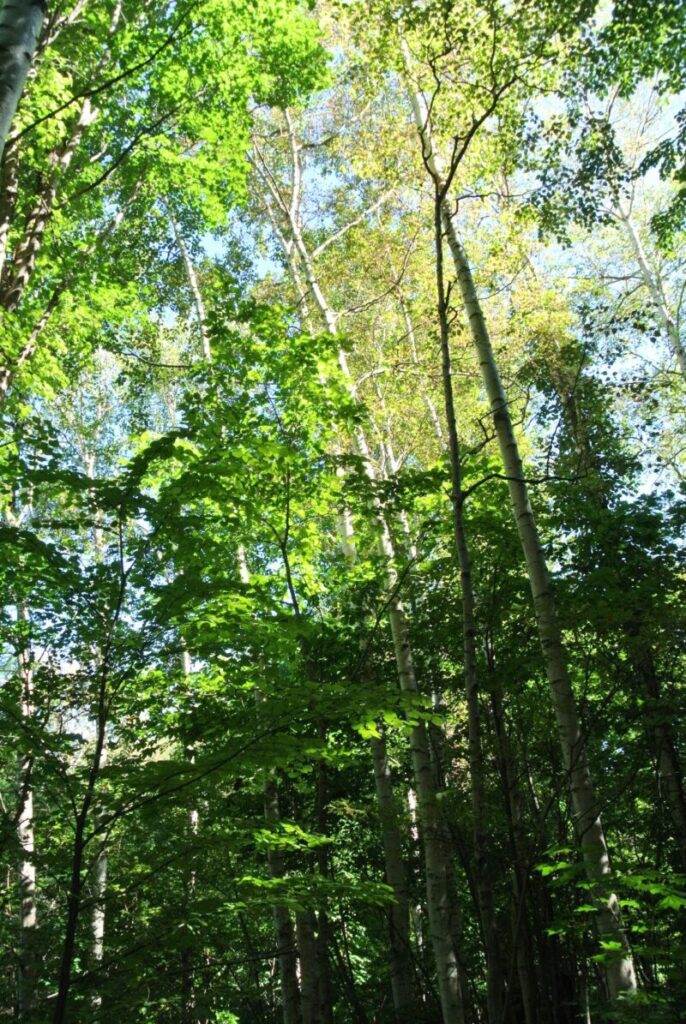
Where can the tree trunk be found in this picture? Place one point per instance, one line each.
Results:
(438, 902)
(652, 281)
(28, 911)
(521, 892)
(482, 857)
(21, 22)
(305, 927)
(620, 973)
(98, 912)
(402, 987)
(619, 970)
(285, 937)
(75, 890)
(194, 286)
(396, 876)
(283, 925)
(18, 275)
(323, 937)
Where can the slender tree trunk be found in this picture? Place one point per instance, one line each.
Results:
(342, 953)
(620, 973)
(402, 987)
(21, 22)
(652, 281)
(482, 857)
(438, 901)
(28, 912)
(9, 192)
(188, 1007)
(285, 937)
(194, 286)
(323, 938)
(83, 815)
(426, 397)
(75, 892)
(305, 928)
(99, 874)
(20, 271)
(100, 864)
(521, 932)
(396, 876)
(283, 925)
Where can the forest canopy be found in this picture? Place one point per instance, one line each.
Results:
(342, 511)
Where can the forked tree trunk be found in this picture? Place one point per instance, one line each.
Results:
(619, 971)
(653, 282)
(437, 888)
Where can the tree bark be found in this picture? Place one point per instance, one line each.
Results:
(28, 911)
(18, 274)
(438, 900)
(99, 875)
(192, 277)
(482, 857)
(283, 925)
(21, 22)
(396, 876)
(653, 282)
(521, 882)
(619, 971)
(323, 937)
(285, 937)
(305, 927)
(75, 892)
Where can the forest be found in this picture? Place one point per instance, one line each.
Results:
(342, 511)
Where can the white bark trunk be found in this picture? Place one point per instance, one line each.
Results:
(396, 877)
(305, 927)
(285, 937)
(100, 867)
(291, 1007)
(426, 397)
(194, 286)
(438, 901)
(21, 22)
(653, 282)
(620, 973)
(28, 911)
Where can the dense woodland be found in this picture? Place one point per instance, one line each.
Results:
(342, 511)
